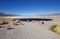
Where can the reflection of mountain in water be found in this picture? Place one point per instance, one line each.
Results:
(34, 19)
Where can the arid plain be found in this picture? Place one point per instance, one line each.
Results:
(30, 30)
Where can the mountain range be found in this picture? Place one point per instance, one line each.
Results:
(4, 14)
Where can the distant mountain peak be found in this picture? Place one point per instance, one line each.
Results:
(56, 14)
(4, 14)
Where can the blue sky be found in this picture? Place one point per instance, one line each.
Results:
(30, 7)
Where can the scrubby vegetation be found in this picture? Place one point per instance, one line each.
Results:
(53, 28)
(56, 28)
(5, 20)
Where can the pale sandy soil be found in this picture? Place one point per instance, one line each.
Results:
(29, 31)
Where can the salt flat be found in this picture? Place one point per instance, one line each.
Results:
(30, 30)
